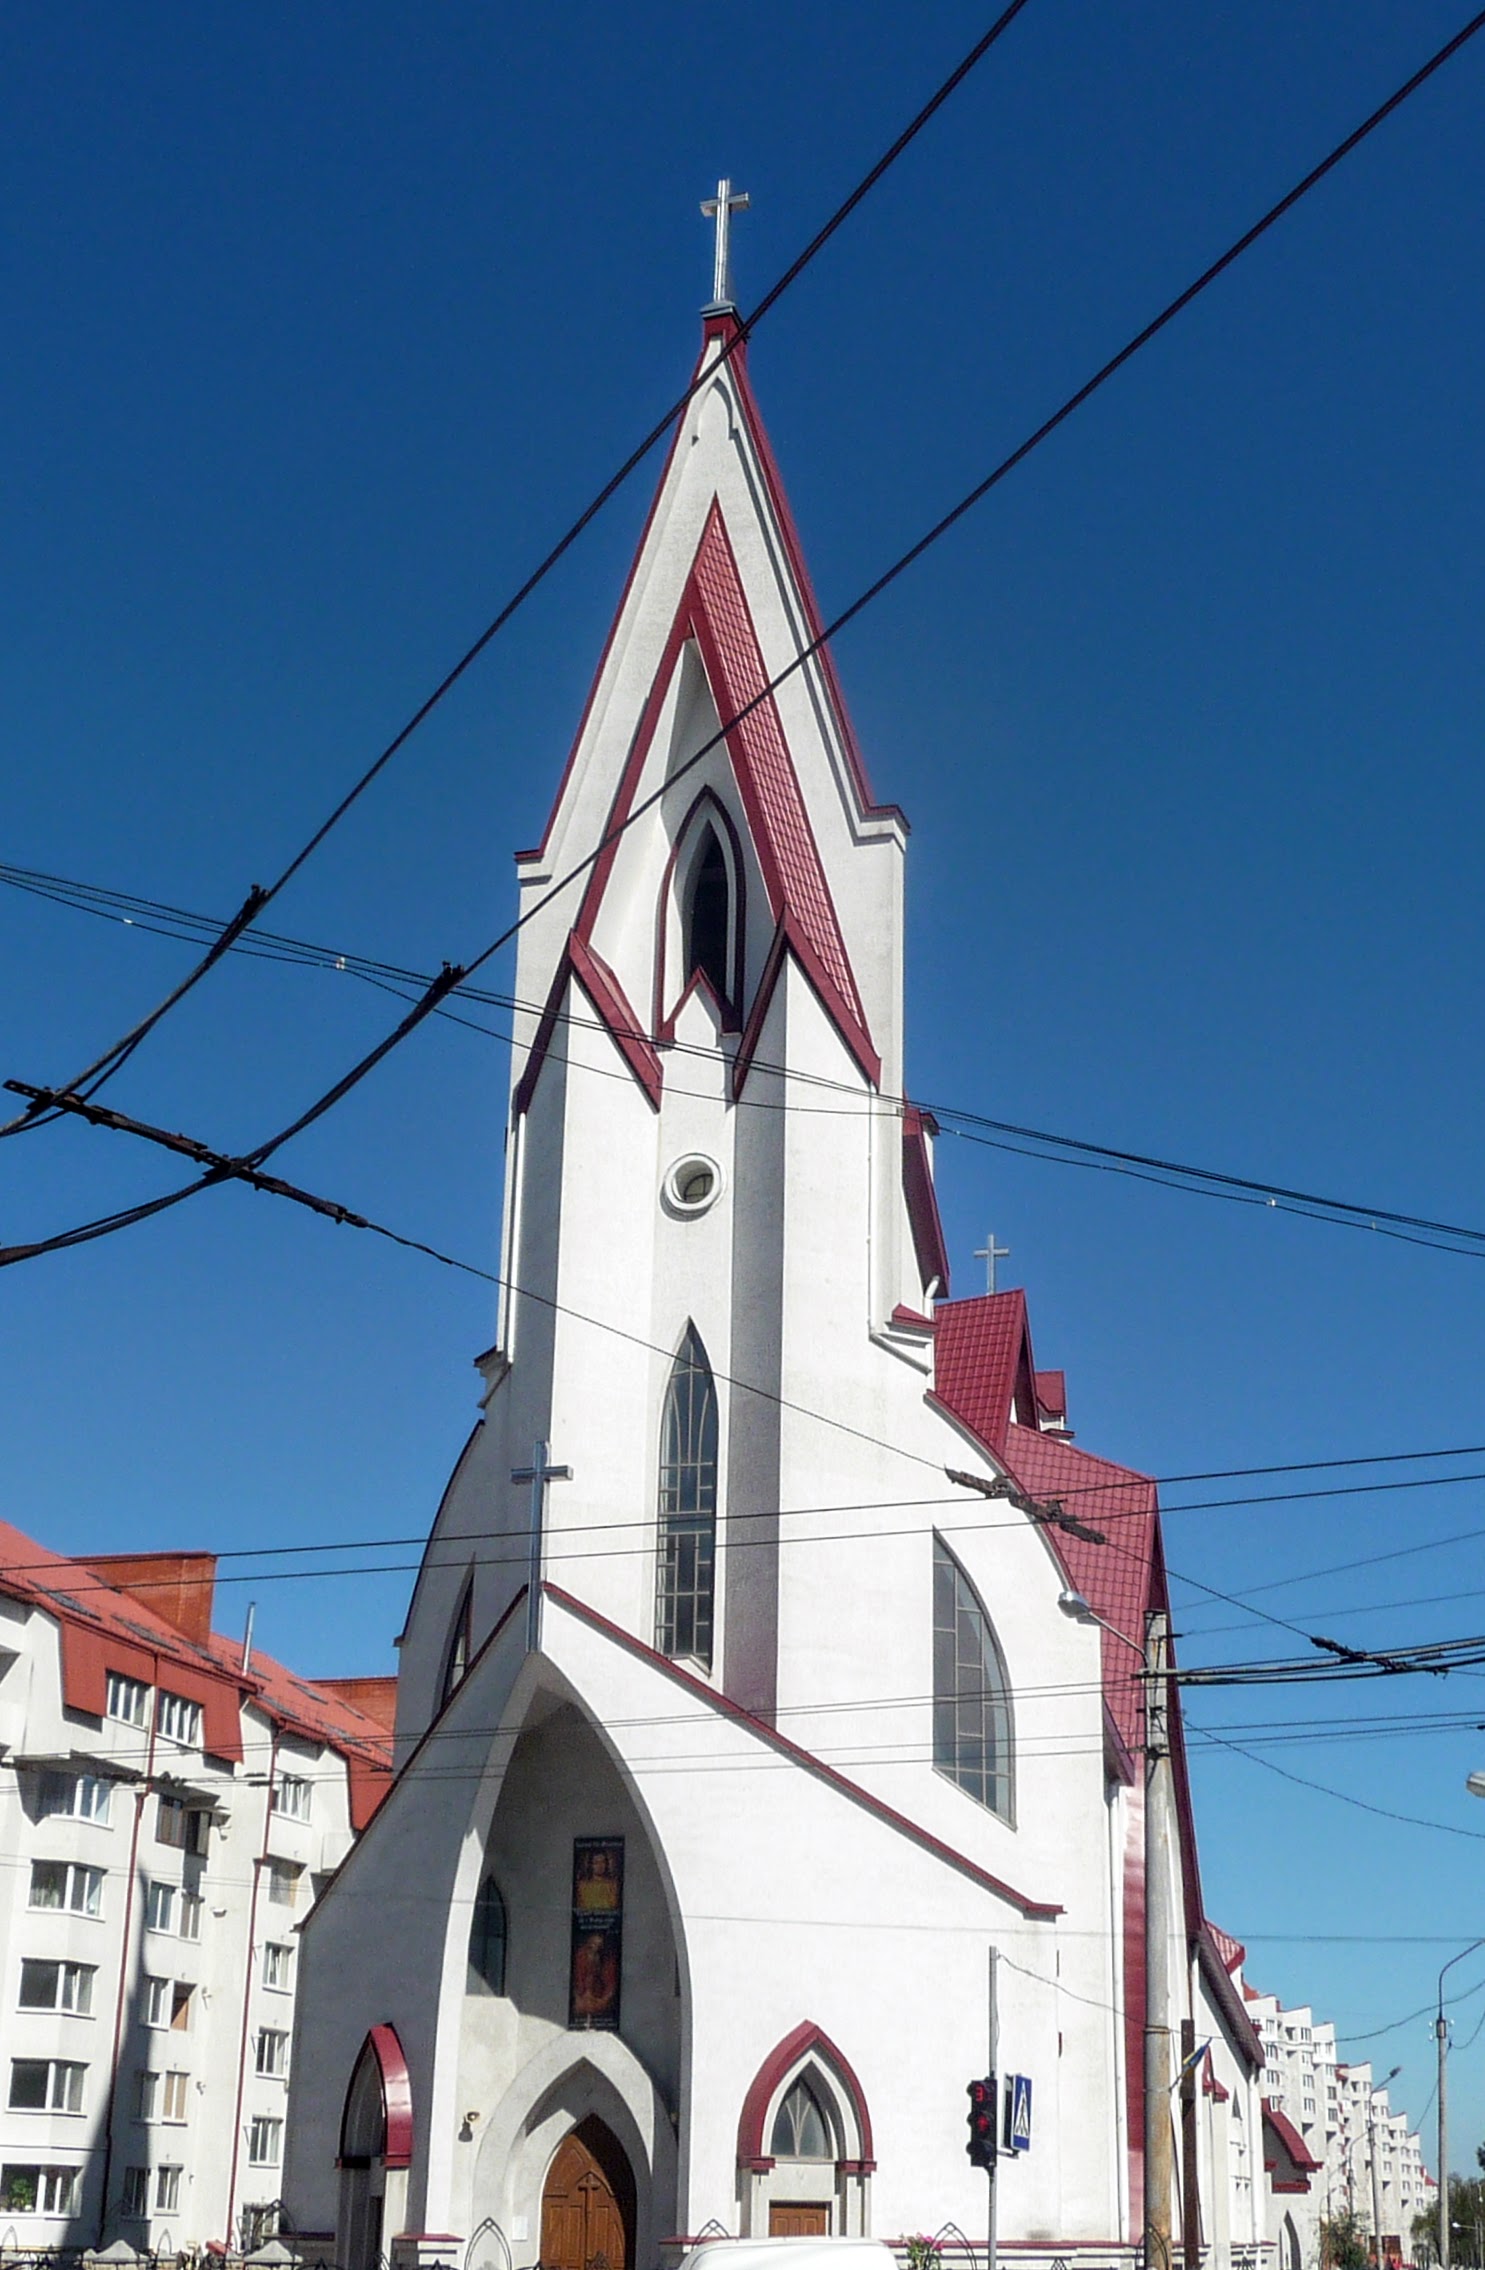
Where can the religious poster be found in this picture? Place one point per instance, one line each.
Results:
(597, 1932)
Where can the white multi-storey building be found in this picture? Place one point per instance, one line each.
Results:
(169, 1811)
(1346, 2122)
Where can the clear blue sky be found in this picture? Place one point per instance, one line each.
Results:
(320, 324)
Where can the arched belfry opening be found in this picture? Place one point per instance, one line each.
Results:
(707, 920)
(700, 939)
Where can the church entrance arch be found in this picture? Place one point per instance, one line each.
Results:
(587, 2202)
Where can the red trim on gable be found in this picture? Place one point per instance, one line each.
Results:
(912, 1320)
(1039, 1910)
(607, 997)
(713, 612)
(922, 1200)
(1293, 2148)
(1242, 2032)
(786, 939)
(815, 620)
(779, 2063)
(382, 2045)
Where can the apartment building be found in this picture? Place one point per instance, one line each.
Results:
(1346, 2121)
(171, 1806)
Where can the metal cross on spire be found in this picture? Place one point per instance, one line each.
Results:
(990, 1253)
(721, 209)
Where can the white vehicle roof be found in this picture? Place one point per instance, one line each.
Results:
(798, 2253)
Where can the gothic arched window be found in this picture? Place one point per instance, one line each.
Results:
(456, 1661)
(708, 917)
(686, 1577)
(799, 2129)
(971, 1696)
(487, 1939)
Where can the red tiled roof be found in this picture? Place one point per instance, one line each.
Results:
(983, 1357)
(1113, 1578)
(106, 1628)
(1051, 1393)
(922, 1201)
(1279, 2130)
(1231, 1950)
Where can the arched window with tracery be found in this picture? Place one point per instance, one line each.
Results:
(971, 1695)
(456, 1656)
(687, 1555)
(488, 1933)
(800, 2131)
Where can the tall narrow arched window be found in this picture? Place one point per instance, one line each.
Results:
(971, 1696)
(487, 1940)
(708, 917)
(686, 1579)
(456, 1661)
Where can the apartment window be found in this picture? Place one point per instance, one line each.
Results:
(187, 1827)
(265, 2138)
(58, 1986)
(134, 2203)
(161, 2096)
(276, 1965)
(128, 1700)
(80, 1796)
(167, 2191)
(159, 1906)
(39, 2191)
(167, 2002)
(192, 1908)
(178, 1720)
(283, 1882)
(63, 1884)
(45, 2084)
(273, 2052)
(291, 1796)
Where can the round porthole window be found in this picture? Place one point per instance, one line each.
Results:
(693, 1184)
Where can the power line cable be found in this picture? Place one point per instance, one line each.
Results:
(454, 975)
(1342, 1797)
(1059, 1149)
(103, 1067)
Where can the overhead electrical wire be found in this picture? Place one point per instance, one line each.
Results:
(454, 975)
(103, 1067)
(161, 919)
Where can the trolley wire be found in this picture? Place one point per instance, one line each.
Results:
(103, 1067)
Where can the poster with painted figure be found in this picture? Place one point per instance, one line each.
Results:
(597, 1933)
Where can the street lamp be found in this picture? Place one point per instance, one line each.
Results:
(1158, 2145)
(1441, 2035)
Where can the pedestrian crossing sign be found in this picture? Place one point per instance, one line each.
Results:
(1017, 2112)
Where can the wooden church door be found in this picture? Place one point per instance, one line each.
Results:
(587, 2207)
(798, 2218)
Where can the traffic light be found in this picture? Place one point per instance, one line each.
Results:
(981, 2145)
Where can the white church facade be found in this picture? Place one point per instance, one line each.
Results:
(718, 1785)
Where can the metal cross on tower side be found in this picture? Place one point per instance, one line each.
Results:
(990, 1253)
(538, 1474)
(721, 209)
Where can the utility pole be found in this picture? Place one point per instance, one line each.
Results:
(1441, 2036)
(994, 2070)
(1158, 2142)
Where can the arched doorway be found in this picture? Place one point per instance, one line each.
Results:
(587, 2203)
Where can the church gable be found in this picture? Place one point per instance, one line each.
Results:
(759, 818)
